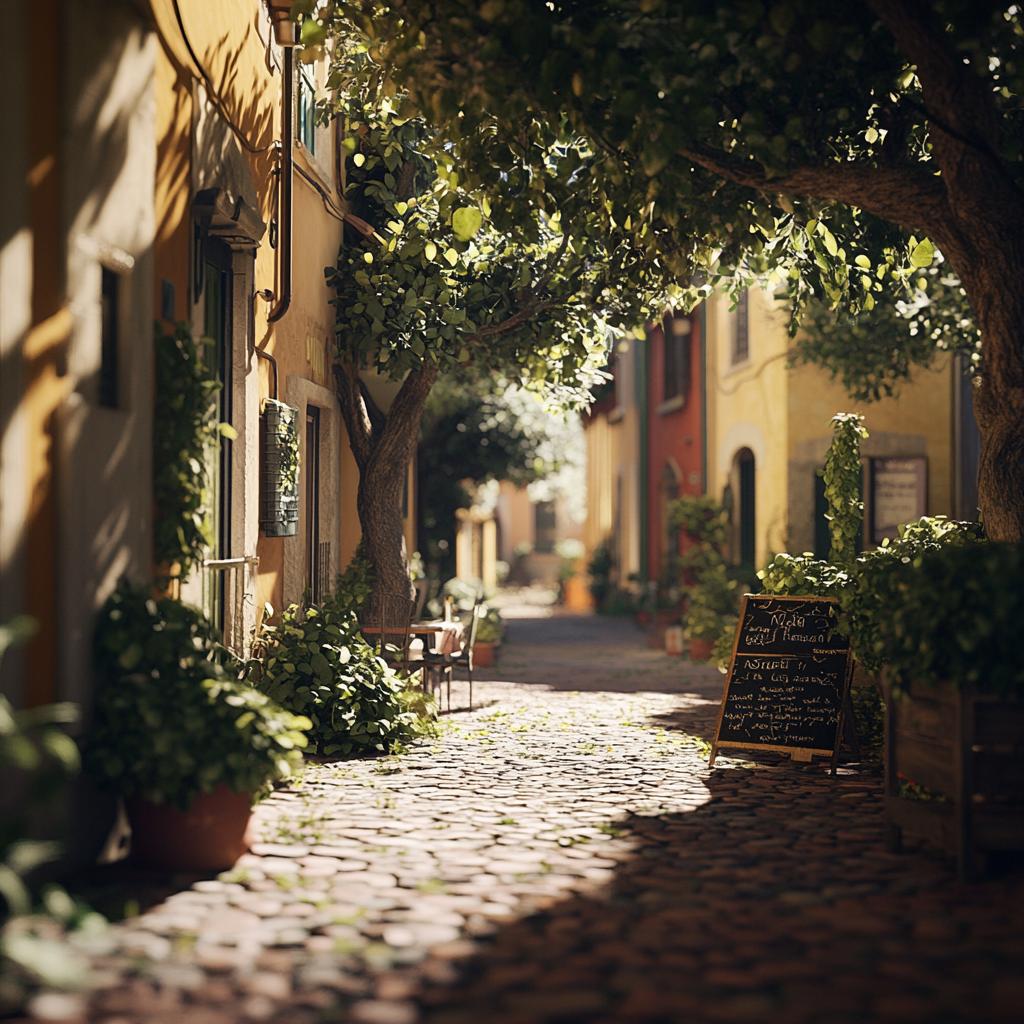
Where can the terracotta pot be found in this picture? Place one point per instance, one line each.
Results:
(210, 836)
(483, 654)
(577, 595)
(700, 650)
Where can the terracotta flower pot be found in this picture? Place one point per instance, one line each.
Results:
(210, 836)
(483, 654)
(700, 649)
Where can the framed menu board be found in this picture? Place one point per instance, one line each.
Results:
(788, 684)
(899, 494)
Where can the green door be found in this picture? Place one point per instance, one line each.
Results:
(217, 356)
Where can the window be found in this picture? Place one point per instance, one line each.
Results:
(307, 110)
(748, 507)
(110, 289)
(678, 331)
(741, 329)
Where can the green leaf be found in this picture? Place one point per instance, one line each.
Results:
(465, 224)
(923, 254)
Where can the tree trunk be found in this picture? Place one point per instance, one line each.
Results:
(995, 288)
(973, 210)
(382, 447)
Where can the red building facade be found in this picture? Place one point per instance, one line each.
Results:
(675, 428)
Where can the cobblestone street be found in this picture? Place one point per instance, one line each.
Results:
(563, 854)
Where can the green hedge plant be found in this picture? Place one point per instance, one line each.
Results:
(317, 664)
(173, 719)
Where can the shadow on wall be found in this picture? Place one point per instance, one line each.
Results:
(773, 901)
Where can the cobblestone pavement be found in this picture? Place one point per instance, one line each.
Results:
(565, 856)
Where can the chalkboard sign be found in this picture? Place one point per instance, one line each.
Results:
(787, 688)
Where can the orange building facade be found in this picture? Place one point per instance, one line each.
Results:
(147, 167)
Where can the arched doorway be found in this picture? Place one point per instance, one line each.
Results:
(744, 477)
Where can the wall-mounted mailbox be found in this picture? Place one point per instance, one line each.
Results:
(279, 469)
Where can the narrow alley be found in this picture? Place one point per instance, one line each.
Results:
(563, 854)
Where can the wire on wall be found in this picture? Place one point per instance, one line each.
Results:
(214, 95)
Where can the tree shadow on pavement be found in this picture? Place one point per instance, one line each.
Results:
(774, 901)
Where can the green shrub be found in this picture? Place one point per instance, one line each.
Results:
(842, 477)
(803, 575)
(869, 715)
(353, 586)
(863, 600)
(172, 718)
(316, 664)
(712, 604)
(704, 521)
(491, 629)
(184, 428)
(951, 613)
(721, 655)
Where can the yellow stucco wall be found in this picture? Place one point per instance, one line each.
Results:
(782, 415)
(230, 42)
(746, 408)
(922, 408)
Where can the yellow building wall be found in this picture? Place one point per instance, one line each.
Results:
(918, 420)
(228, 39)
(783, 415)
(746, 408)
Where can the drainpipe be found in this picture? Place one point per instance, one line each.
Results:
(703, 321)
(285, 31)
(643, 386)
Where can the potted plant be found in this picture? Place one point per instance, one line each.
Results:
(704, 627)
(187, 744)
(489, 633)
(710, 608)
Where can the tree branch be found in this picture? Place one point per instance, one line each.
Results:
(953, 91)
(963, 121)
(398, 439)
(515, 320)
(902, 194)
(354, 413)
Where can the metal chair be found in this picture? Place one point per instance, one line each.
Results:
(464, 659)
(389, 619)
(443, 663)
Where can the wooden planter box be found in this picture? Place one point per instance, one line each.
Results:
(968, 748)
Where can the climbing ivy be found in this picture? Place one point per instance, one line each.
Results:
(842, 487)
(184, 428)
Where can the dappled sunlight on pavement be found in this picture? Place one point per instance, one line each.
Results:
(559, 855)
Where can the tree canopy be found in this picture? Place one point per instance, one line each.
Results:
(474, 433)
(674, 147)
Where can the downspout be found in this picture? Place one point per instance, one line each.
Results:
(286, 38)
(642, 401)
(703, 319)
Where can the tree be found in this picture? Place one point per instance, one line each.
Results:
(830, 149)
(479, 432)
(426, 285)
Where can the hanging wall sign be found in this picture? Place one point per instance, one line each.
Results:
(787, 688)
